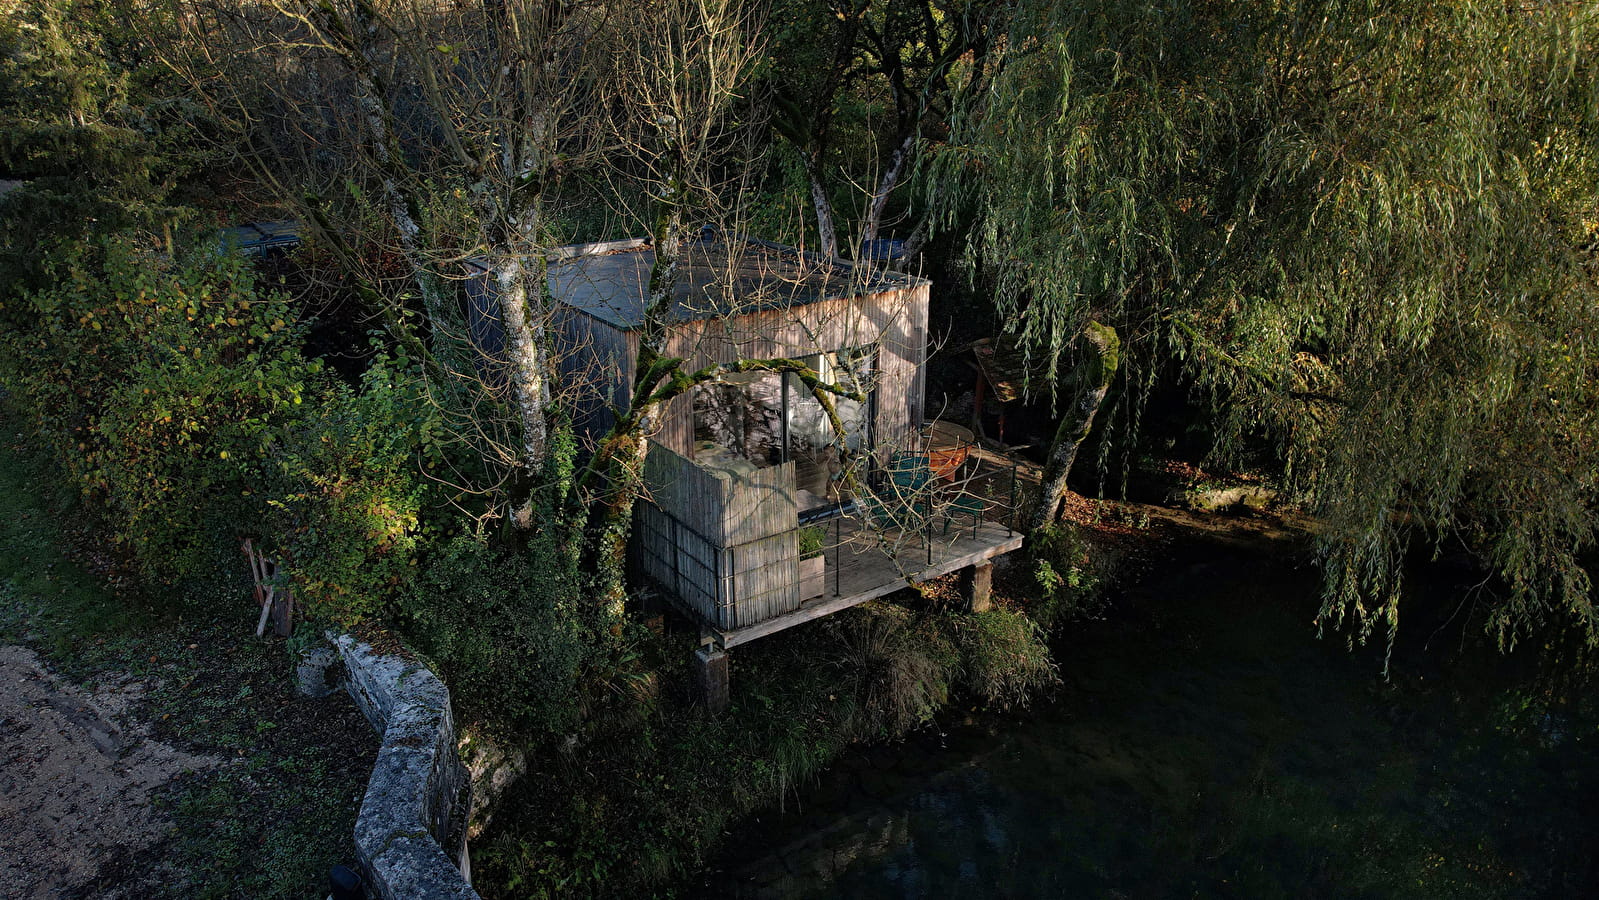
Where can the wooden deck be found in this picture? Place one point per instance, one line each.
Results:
(863, 564)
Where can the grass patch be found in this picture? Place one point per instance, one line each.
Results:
(281, 811)
(47, 599)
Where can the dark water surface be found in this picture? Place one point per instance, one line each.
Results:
(1206, 744)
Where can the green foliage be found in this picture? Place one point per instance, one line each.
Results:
(1004, 660)
(902, 667)
(1068, 586)
(163, 387)
(812, 538)
(1364, 229)
(95, 120)
(898, 667)
(508, 626)
(347, 496)
(55, 60)
(86, 91)
(852, 86)
(177, 397)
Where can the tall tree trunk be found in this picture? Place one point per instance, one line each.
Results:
(1101, 355)
(885, 186)
(355, 45)
(826, 230)
(523, 322)
(625, 448)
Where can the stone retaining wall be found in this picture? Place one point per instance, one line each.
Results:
(410, 837)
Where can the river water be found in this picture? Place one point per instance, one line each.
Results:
(1205, 743)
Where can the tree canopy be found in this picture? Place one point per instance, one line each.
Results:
(1366, 229)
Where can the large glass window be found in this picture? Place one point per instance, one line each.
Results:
(810, 441)
(740, 416)
(764, 419)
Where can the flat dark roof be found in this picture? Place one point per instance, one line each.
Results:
(255, 238)
(717, 277)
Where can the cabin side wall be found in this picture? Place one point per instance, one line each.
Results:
(901, 389)
(596, 362)
(726, 545)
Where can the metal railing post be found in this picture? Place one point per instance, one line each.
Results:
(1011, 528)
(677, 570)
(730, 579)
(838, 548)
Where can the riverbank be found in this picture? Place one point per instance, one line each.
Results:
(629, 806)
(1205, 742)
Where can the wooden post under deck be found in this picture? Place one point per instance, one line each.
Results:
(711, 676)
(977, 585)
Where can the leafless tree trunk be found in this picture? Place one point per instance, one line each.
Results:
(886, 183)
(675, 122)
(826, 230)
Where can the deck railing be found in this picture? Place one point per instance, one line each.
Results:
(907, 520)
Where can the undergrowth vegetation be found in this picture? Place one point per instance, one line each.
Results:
(278, 808)
(172, 392)
(639, 799)
(507, 624)
(1066, 579)
(176, 396)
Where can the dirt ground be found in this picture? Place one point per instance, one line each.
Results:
(77, 773)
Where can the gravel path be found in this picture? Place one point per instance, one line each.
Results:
(76, 776)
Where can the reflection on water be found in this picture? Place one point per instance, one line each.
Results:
(1206, 744)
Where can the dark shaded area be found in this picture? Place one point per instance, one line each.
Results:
(1207, 744)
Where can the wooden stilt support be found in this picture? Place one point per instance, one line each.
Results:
(712, 676)
(977, 585)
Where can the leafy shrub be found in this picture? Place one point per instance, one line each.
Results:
(1063, 571)
(346, 508)
(506, 625)
(163, 386)
(811, 541)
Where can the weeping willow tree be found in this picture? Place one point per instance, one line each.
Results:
(1366, 230)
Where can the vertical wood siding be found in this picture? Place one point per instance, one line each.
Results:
(596, 362)
(725, 545)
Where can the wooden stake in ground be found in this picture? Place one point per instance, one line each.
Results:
(265, 573)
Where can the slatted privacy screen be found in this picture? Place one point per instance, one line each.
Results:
(724, 542)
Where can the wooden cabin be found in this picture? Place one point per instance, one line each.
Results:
(738, 298)
(739, 466)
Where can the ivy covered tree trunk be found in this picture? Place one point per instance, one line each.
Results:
(1101, 349)
(624, 449)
